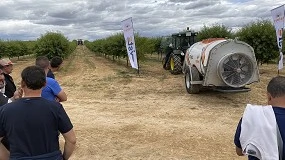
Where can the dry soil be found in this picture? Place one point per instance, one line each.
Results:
(119, 114)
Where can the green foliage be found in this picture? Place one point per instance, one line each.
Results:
(96, 46)
(30, 45)
(115, 46)
(143, 46)
(214, 31)
(72, 46)
(3, 46)
(20, 49)
(53, 44)
(147, 45)
(15, 48)
(262, 37)
(157, 44)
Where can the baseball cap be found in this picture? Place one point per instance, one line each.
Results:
(5, 62)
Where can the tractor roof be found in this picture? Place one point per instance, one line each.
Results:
(184, 34)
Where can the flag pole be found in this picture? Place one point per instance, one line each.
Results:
(280, 62)
(138, 63)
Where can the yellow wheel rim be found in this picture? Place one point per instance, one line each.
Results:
(172, 63)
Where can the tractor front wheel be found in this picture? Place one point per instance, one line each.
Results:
(175, 64)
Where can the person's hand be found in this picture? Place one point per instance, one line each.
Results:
(18, 94)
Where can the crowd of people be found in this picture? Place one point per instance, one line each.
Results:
(31, 115)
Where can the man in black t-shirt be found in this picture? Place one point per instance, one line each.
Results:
(32, 124)
(4, 100)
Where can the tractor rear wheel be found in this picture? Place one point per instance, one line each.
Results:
(175, 64)
(192, 88)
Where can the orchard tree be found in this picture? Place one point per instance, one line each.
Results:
(262, 37)
(13, 49)
(22, 47)
(3, 48)
(118, 42)
(143, 46)
(52, 44)
(214, 31)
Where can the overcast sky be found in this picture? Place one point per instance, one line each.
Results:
(95, 19)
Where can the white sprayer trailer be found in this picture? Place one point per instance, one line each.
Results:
(223, 64)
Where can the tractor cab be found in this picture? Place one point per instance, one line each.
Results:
(183, 40)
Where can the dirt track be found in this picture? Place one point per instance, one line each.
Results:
(118, 114)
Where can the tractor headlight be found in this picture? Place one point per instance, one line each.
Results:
(182, 53)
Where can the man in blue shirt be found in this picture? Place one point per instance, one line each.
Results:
(275, 98)
(52, 91)
(32, 124)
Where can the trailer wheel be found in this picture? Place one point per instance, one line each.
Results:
(175, 64)
(192, 88)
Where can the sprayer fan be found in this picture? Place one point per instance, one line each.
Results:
(236, 69)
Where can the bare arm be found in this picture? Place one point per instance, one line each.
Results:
(61, 96)
(239, 151)
(4, 153)
(69, 145)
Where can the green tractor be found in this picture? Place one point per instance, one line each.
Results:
(175, 51)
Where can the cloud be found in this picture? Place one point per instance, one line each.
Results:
(89, 19)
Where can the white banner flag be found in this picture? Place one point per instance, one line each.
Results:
(130, 41)
(278, 19)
